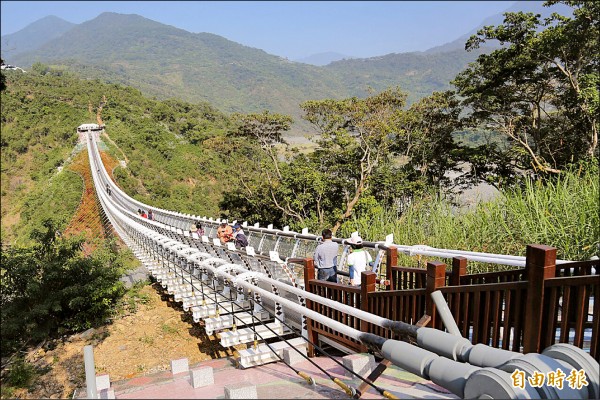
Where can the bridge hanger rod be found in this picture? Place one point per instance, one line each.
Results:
(302, 374)
(349, 390)
(383, 392)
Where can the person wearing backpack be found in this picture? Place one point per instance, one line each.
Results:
(358, 260)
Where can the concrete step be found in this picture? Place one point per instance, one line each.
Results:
(185, 290)
(178, 287)
(152, 267)
(170, 282)
(227, 321)
(225, 307)
(263, 354)
(188, 297)
(198, 300)
(246, 335)
(163, 275)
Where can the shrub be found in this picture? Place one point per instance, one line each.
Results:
(21, 374)
(561, 212)
(51, 288)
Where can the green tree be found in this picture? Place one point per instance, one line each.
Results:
(370, 152)
(51, 287)
(39, 68)
(357, 136)
(540, 89)
(267, 129)
(255, 170)
(425, 138)
(2, 79)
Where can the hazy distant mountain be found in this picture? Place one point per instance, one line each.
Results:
(419, 73)
(165, 61)
(321, 59)
(497, 19)
(34, 35)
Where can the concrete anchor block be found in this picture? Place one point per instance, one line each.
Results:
(362, 364)
(179, 366)
(240, 391)
(102, 382)
(292, 357)
(202, 376)
(106, 394)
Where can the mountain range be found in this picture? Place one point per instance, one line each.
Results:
(321, 59)
(34, 35)
(165, 61)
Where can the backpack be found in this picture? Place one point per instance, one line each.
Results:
(241, 240)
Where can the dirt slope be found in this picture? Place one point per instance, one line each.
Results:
(150, 332)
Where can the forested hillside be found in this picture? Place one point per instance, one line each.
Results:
(164, 61)
(172, 147)
(420, 74)
(168, 62)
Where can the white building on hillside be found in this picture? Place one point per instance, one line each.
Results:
(85, 128)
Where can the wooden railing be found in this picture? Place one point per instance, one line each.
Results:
(348, 295)
(522, 310)
(570, 307)
(408, 278)
(489, 313)
(401, 305)
(578, 268)
(514, 275)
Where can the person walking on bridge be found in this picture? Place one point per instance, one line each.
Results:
(326, 255)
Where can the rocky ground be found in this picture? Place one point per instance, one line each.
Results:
(149, 332)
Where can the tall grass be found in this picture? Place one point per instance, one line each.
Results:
(563, 213)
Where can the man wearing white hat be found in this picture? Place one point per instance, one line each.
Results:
(357, 260)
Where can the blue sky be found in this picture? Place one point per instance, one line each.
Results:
(292, 29)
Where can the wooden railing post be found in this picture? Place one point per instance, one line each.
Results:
(436, 278)
(540, 264)
(309, 274)
(391, 257)
(367, 286)
(459, 268)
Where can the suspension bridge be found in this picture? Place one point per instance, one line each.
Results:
(472, 334)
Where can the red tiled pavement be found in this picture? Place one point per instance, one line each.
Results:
(275, 381)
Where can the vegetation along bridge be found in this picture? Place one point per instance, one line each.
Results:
(535, 317)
